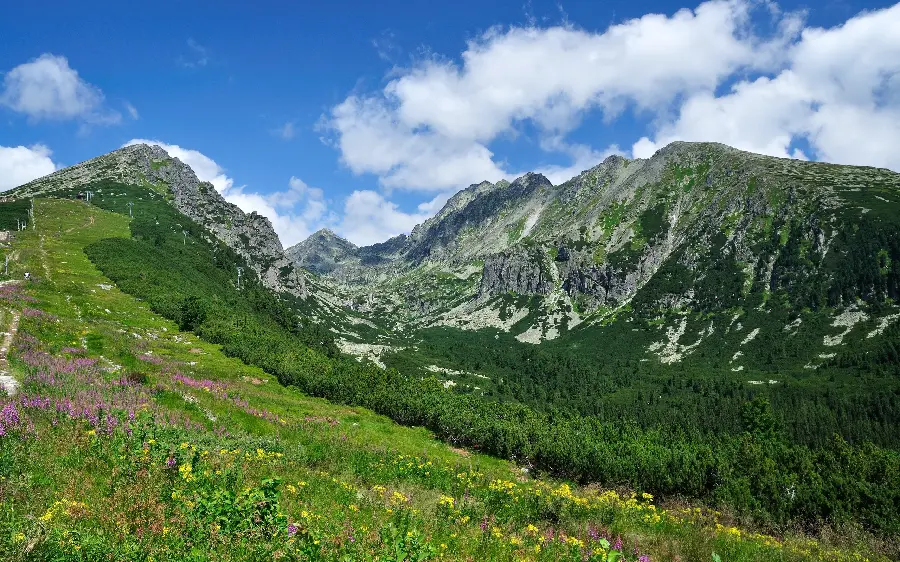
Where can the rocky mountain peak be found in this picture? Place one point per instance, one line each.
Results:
(250, 235)
(531, 180)
(321, 251)
(328, 234)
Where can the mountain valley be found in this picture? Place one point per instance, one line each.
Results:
(712, 328)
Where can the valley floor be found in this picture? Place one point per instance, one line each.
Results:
(130, 440)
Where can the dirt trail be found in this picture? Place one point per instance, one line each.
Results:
(7, 382)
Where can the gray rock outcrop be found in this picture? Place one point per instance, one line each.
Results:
(250, 235)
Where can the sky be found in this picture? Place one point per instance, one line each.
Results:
(365, 117)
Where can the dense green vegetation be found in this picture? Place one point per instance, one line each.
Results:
(755, 470)
(14, 213)
(855, 395)
(606, 371)
(132, 441)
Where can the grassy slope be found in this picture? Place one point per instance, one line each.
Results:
(70, 491)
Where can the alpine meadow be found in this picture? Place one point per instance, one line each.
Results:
(687, 352)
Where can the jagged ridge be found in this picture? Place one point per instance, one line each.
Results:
(250, 235)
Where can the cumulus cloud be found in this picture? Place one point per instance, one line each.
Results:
(429, 128)
(295, 212)
(205, 167)
(48, 88)
(583, 158)
(839, 90)
(368, 217)
(21, 164)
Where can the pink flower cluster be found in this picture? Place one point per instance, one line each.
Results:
(11, 420)
(154, 359)
(29, 312)
(77, 389)
(14, 294)
(218, 389)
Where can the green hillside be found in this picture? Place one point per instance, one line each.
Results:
(133, 440)
(665, 292)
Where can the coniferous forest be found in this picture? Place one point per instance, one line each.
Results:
(807, 455)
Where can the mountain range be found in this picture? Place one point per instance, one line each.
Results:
(697, 239)
(706, 324)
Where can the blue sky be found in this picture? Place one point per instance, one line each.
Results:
(364, 117)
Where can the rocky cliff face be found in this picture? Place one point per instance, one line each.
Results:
(698, 225)
(520, 270)
(250, 235)
(322, 252)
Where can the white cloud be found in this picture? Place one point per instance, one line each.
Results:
(21, 164)
(205, 167)
(369, 218)
(429, 128)
(839, 90)
(197, 57)
(754, 116)
(132, 111)
(286, 131)
(583, 158)
(295, 212)
(47, 88)
(371, 140)
(432, 206)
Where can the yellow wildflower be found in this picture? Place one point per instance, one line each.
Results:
(186, 472)
(446, 501)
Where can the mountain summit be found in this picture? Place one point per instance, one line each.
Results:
(697, 229)
(250, 235)
(705, 324)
